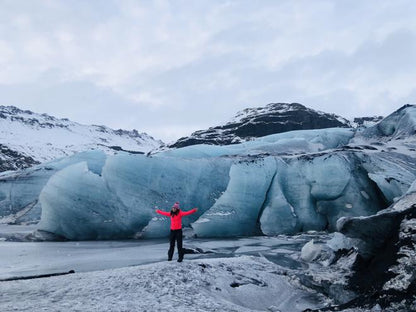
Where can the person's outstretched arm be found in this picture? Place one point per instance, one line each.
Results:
(164, 213)
(186, 213)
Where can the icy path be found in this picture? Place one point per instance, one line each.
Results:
(233, 284)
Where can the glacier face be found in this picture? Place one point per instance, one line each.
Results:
(236, 211)
(236, 196)
(79, 204)
(288, 143)
(312, 192)
(278, 184)
(19, 191)
(230, 188)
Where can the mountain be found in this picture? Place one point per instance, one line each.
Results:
(261, 121)
(28, 138)
(366, 122)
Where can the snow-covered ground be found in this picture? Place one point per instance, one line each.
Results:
(245, 274)
(244, 283)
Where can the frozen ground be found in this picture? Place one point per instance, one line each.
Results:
(243, 274)
(34, 258)
(244, 283)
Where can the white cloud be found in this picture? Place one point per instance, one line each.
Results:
(184, 65)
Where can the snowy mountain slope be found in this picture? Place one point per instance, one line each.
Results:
(261, 121)
(29, 138)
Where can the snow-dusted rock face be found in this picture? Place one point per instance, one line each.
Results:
(366, 122)
(257, 122)
(29, 138)
(385, 270)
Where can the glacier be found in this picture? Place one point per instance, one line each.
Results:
(279, 184)
(79, 204)
(20, 190)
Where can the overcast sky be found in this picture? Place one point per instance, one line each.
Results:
(169, 68)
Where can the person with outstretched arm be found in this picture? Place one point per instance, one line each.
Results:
(176, 215)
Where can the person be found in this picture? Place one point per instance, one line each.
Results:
(176, 228)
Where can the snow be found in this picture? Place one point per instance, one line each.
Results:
(340, 241)
(246, 274)
(45, 138)
(310, 251)
(404, 270)
(238, 284)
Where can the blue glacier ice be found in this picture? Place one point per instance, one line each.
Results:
(79, 204)
(292, 142)
(398, 125)
(279, 184)
(236, 196)
(392, 172)
(311, 193)
(235, 213)
(19, 191)
(278, 215)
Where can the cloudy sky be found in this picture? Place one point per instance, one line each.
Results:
(169, 68)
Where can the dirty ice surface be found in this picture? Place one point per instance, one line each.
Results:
(226, 275)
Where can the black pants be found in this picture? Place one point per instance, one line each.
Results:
(175, 235)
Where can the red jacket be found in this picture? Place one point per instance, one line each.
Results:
(176, 221)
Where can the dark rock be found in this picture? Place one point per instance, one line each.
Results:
(262, 121)
(379, 276)
(13, 160)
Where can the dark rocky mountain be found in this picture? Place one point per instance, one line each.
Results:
(13, 160)
(261, 121)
